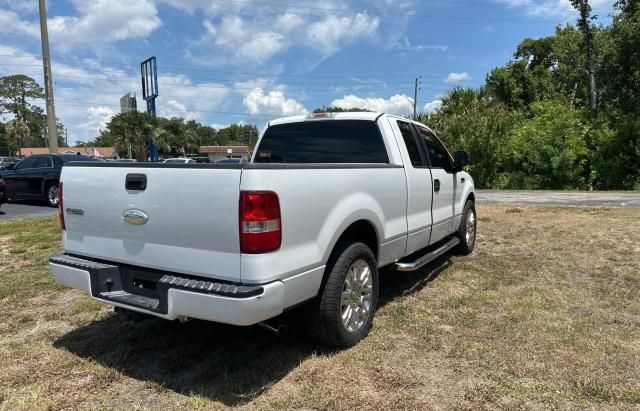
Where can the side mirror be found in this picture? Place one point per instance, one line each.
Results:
(10, 167)
(460, 159)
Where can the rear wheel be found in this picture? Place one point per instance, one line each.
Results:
(467, 230)
(342, 314)
(52, 194)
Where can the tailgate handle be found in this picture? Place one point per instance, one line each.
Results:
(136, 182)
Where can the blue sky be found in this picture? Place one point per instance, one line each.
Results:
(229, 61)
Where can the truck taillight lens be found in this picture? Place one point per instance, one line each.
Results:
(260, 229)
(60, 206)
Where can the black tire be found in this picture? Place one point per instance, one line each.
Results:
(323, 316)
(51, 201)
(467, 242)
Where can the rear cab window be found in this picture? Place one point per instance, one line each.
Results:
(323, 141)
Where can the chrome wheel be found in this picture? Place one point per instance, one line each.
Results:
(470, 235)
(357, 291)
(52, 195)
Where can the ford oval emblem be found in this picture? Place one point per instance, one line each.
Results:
(135, 217)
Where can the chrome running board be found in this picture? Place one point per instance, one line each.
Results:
(428, 257)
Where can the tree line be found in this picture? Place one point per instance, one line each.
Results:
(563, 114)
(173, 136)
(28, 124)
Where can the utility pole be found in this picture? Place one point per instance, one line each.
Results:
(415, 95)
(52, 128)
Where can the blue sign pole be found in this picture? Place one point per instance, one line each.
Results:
(149, 73)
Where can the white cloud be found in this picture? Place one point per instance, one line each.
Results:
(398, 104)
(288, 22)
(104, 21)
(274, 103)
(457, 77)
(329, 35)
(405, 44)
(11, 23)
(244, 40)
(432, 106)
(96, 119)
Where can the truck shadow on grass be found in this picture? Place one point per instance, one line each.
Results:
(232, 365)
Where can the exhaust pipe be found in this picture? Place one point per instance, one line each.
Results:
(280, 330)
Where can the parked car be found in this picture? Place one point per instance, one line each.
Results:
(6, 161)
(180, 160)
(122, 160)
(36, 177)
(326, 201)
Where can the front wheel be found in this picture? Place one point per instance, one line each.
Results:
(342, 314)
(467, 230)
(52, 195)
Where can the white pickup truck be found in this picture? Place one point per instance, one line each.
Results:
(326, 200)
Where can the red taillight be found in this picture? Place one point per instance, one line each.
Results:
(260, 230)
(60, 207)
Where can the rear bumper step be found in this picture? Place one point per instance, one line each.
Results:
(169, 296)
(425, 259)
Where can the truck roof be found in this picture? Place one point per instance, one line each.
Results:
(358, 115)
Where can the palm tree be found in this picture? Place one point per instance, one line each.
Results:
(134, 129)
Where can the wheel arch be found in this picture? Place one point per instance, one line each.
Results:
(471, 197)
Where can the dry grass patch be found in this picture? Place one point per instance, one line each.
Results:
(544, 314)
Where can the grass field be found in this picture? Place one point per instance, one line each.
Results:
(544, 314)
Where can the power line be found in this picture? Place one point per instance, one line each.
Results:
(388, 14)
(91, 104)
(353, 78)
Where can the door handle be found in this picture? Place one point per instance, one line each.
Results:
(137, 182)
(462, 180)
(436, 185)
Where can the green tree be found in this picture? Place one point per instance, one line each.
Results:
(239, 134)
(16, 91)
(619, 73)
(134, 129)
(469, 120)
(17, 132)
(588, 46)
(548, 150)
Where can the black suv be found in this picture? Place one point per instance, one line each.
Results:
(36, 177)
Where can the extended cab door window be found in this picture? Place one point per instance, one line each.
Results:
(416, 157)
(443, 185)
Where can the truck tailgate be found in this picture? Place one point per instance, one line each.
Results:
(191, 217)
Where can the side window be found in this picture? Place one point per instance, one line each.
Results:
(410, 142)
(43, 162)
(437, 153)
(28, 162)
